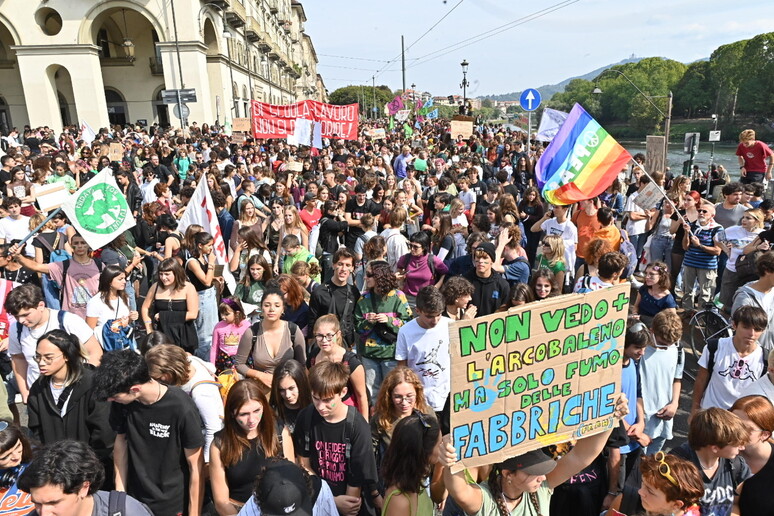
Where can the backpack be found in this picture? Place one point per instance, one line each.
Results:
(712, 347)
(59, 317)
(56, 252)
(349, 429)
(745, 267)
(293, 327)
(65, 266)
(117, 503)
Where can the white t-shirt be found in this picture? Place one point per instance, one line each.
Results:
(29, 338)
(761, 387)
(659, 369)
(206, 397)
(569, 234)
(467, 198)
(397, 245)
(730, 375)
(737, 238)
(427, 354)
(11, 229)
(593, 283)
(634, 227)
(459, 238)
(96, 307)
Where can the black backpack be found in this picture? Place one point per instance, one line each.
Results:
(349, 429)
(712, 347)
(65, 266)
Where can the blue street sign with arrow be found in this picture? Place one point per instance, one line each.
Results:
(530, 99)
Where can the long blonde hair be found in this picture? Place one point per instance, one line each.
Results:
(556, 244)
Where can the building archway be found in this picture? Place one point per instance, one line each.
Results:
(216, 67)
(11, 88)
(127, 36)
(61, 89)
(116, 106)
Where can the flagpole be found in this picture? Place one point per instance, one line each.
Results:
(662, 192)
(38, 228)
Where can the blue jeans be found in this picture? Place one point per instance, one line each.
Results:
(206, 321)
(638, 241)
(656, 444)
(131, 294)
(661, 250)
(375, 372)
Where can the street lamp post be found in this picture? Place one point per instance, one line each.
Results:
(464, 64)
(413, 93)
(712, 152)
(667, 116)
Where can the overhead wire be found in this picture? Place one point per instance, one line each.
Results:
(492, 32)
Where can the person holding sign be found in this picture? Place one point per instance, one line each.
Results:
(521, 485)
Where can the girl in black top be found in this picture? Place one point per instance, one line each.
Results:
(290, 393)
(757, 414)
(249, 435)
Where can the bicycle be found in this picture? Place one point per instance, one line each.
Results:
(707, 324)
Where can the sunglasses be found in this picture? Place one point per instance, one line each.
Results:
(416, 246)
(369, 274)
(545, 244)
(702, 211)
(663, 468)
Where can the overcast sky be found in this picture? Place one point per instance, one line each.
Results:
(538, 42)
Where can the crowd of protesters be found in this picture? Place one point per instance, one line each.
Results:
(319, 383)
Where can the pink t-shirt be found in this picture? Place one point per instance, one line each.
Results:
(81, 284)
(225, 337)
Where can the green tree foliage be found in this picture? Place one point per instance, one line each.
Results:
(447, 111)
(755, 86)
(363, 95)
(487, 103)
(726, 70)
(694, 92)
(654, 76)
(580, 91)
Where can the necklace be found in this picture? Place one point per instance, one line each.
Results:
(707, 467)
(517, 499)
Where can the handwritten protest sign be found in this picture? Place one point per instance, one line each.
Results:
(649, 197)
(461, 128)
(241, 125)
(539, 374)
(377, 133)
(116, 152)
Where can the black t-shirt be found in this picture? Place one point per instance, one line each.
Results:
(87, 176)
(767, 235)
(240, 477)
(157, 436)
(756, 498)
(327, 450)
(356, 211)
(5, 177)
(479, 187)
(22, 275)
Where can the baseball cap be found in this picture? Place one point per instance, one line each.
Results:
(532, 463)
(309, 196)
(284, 491)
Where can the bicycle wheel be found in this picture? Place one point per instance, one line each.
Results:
(705, 325)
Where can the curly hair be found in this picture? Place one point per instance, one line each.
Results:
(68, 464)
(595, 249)
(660, 268)
(667, 326)
(690, 486)
(384, 278)
(374, 248)
(456, 287)
(305, 269)
(383, 408)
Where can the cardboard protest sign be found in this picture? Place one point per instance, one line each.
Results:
(295, 166)
(241, 125)
(377, 133)
(539, 374)
(461, 128)
(238, 137)
(649, 197)
(116, 152)
(50, 196)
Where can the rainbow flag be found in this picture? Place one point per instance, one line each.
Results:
(581, 161)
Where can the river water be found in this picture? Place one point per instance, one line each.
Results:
(725, 154)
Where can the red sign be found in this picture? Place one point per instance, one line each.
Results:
(272, 121)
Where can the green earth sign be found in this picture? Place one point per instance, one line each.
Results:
(101, 209)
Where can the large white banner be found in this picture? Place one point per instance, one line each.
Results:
(201, 210)
(550, 123)
(98, 210)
